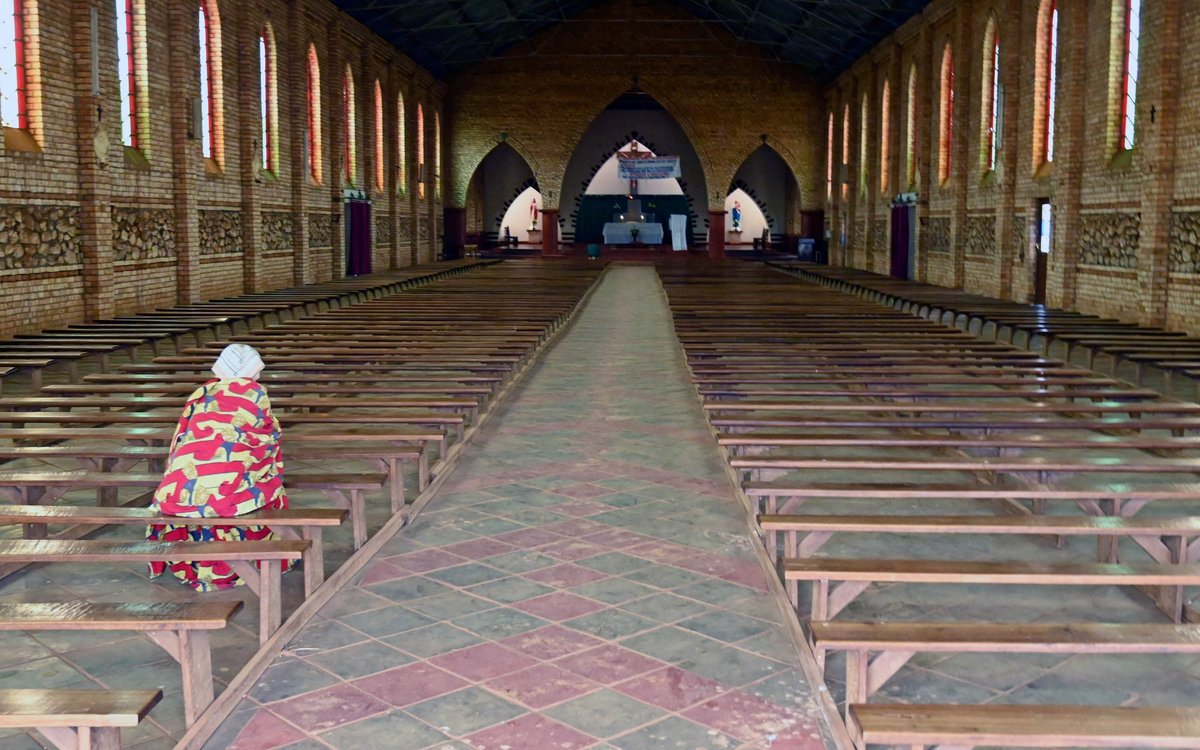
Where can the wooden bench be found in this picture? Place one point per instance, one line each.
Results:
(309, 521)
(364, 441)
(954, 726)
(180, 628)
(856, 575)
(256, 563)
(895, 643)
(46, 487)
(77, 719)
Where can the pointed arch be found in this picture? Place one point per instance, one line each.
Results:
(420, 150)
(769, 177)
(885, 137)
(864, 154)
(312, 132)
(212, 86)
(504, 188)
(845, 152)
(1045, 101)
(946, 115)
(911, 135)
(989, 112)
(349, 127)
(268, 66)
(377, 136)
(401, 147)
(471, 163)
(437, 155)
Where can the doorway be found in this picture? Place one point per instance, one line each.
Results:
(904, 219)
(1045, 244)
(358, 235)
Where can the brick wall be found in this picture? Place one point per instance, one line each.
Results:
(1126, 242)
(541, 96)
(159, 225)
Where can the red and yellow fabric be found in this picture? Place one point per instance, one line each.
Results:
(225, 461)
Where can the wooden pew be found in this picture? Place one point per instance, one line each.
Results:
(1026, 726)
(309, 521)
(856, 575)
(257, 563)
(77, 719)
(180, 628)
(36, 487)
(875, 651)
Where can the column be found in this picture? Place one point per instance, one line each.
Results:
(187, 160)
(549, 225)
(716, 234)
(95, 213)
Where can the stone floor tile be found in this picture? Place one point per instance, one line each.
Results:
(671, 688)
(465, 711)
(604, 713)
(530, 730)
(329, 708)
(483, 662)
(409, 684)
(540, 686)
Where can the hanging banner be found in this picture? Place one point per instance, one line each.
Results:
(653, 168)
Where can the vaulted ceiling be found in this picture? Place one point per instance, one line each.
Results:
(822, 37)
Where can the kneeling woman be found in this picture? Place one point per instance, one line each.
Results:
(225, 461)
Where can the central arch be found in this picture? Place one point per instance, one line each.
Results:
(633, 116)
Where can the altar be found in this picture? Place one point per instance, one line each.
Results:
(621, 233)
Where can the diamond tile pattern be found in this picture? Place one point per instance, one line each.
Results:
(553, 593)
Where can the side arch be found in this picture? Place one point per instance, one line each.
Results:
(465, 168)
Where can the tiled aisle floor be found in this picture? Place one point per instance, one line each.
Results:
(585, 579)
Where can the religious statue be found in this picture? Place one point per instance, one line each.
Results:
(737, 216)
(533, 215)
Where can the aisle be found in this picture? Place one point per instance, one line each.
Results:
(585, 579)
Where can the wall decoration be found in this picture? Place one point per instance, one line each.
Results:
(1109, 239)
(320, 230)
(277, 232)
(141, 234)
(938, 235)
(39, 237)
(1184, 243)
(979, 236)
(220, 232)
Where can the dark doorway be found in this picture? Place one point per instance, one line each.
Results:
(903, 221)
(358, 237)
(1045, 244)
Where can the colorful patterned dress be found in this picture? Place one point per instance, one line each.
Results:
(225, 461)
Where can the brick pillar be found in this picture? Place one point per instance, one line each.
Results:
(95, 214)
(1008, 156)
(456, 231)
(549, 224)
(292, 80)
(1158, 141)
(964, 165)
(250, 148)
(187, 158)
(716, 234)
(835, 196)
(1076, 145)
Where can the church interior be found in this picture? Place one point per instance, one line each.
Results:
(599, 374)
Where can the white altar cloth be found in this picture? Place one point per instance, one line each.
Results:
(622, 233)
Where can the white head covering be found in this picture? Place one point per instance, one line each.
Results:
(238, 361)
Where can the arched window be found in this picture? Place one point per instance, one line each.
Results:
(844, 177)
(885, 137)
(313, 125)
(211, 88)
(989, 114)
(378, 135)
(946, 116)
(829, 161)
(14, 81)
(420, 151)
(863, 114)
(437, 155)
(910, 127)
(1046, 104)
(268, 99)
(349, 127)
(401, 147)
(1130, 14)
(131, 71)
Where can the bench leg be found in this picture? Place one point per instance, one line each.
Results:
(314, 560)
(195, 657)
(355, 503)
(270, 606)
(192, 649)
(396, 482)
